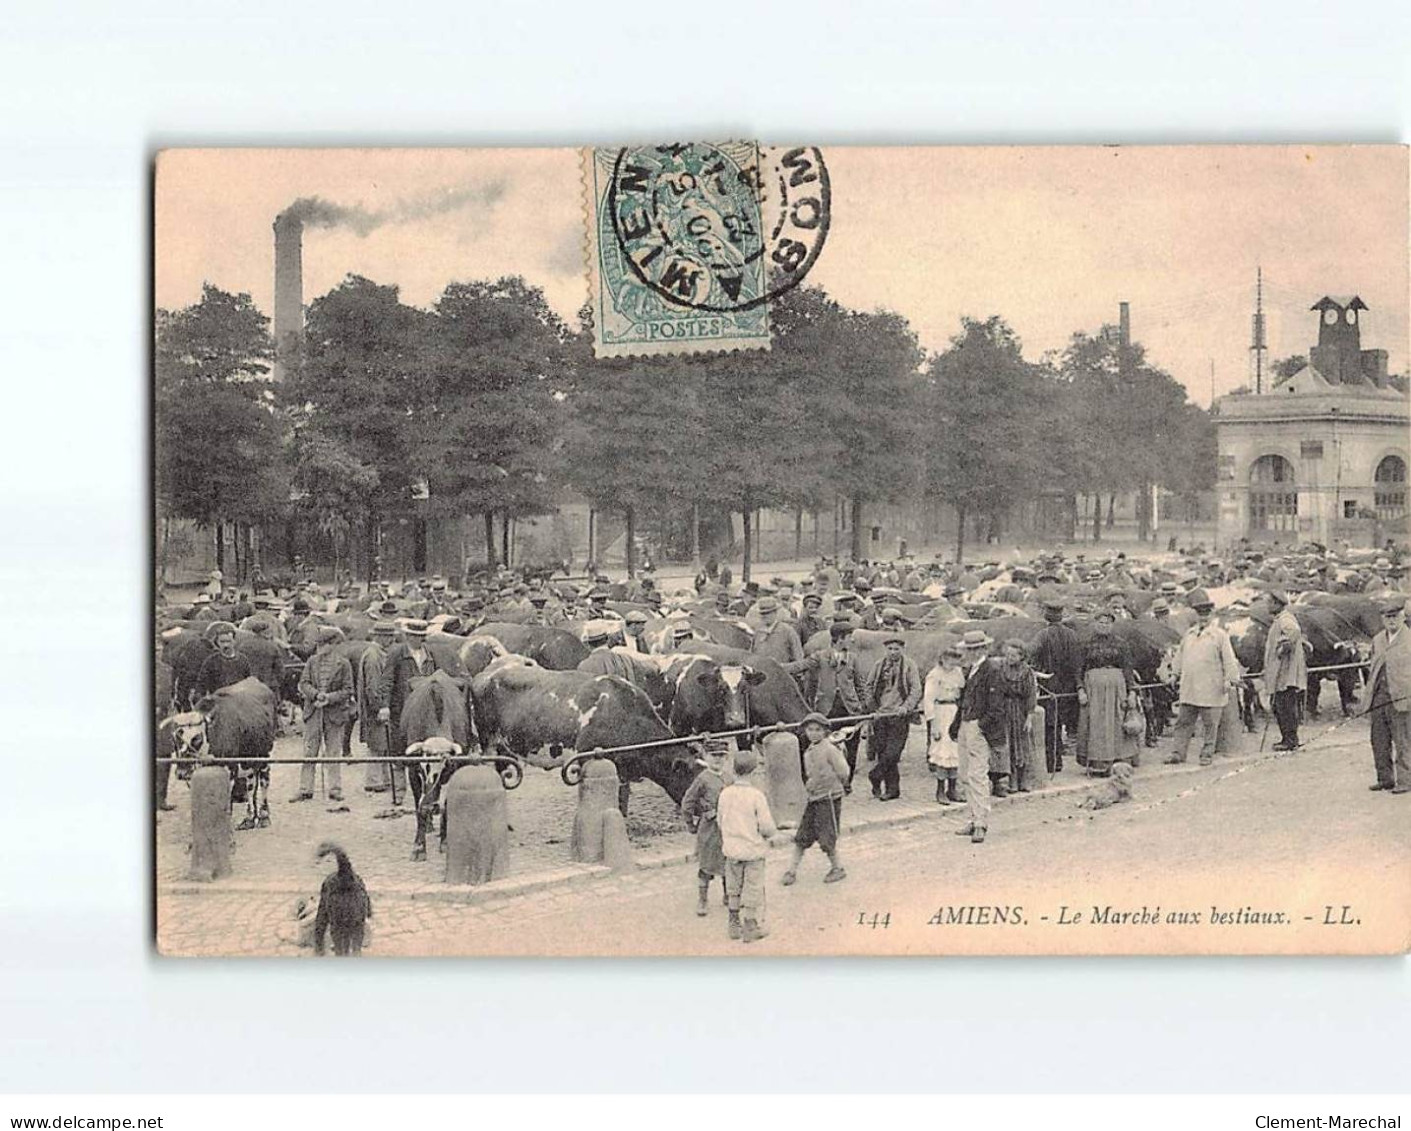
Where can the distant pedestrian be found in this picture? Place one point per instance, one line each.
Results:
(699, 808)
(746, 829)
(1285, 668)
(825, 770)
(1390, 680)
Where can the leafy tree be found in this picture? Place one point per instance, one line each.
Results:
(985, 431)
(330, 482)
(361, 378)
(217, 435)
(1286, 367)
(490, 435)
(630, 440)
(857, 376)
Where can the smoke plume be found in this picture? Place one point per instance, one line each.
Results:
(315, 212)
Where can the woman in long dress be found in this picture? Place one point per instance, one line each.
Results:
(1106, 693)
(940, 700)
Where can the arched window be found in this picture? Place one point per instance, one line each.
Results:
(1389, 488)
(1273, 498)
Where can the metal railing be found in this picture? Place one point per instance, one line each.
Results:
(570, 769)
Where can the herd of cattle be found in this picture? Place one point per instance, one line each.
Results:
(512, 691)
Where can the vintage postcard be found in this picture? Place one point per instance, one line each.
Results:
(727, 547)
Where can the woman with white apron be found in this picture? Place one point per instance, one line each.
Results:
(940, 700)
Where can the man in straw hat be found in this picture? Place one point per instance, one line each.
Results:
(974, 726)
(404, 662)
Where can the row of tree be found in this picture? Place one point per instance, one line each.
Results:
(489, 404)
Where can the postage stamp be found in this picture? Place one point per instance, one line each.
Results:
(689, 242)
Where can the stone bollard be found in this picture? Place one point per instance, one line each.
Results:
(1227, 738)
(617, 849)
(477, 826)
(210, 823)
(784, 779)
(597, 793)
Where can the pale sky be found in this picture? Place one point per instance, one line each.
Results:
(1051, 238)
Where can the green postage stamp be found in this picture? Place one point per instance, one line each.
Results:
(689, 242)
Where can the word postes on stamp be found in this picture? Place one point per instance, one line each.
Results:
(689, 242)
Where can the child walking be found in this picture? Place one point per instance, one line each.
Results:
(699, 808)
(746, 828)
(940, 700)
(825, 770)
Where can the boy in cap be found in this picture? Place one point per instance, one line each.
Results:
(698, 807)
(825, 770)
(746, 829)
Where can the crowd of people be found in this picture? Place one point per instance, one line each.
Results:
(989, 705)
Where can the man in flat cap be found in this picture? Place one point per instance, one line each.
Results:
(634, 629)
(1285, 668)
(894, 686)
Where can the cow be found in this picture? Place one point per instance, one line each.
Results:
(1362, 612)
(234, 725)
(478, 652)
(731, 690)
(649, 674)
(436, 722)
(524, 709)
(1330, 636)
(551, 648)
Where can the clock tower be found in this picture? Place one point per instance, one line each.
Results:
(1338, 354)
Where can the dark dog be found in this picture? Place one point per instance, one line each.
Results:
(343, 906)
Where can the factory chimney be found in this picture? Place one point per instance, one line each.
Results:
(288, 291)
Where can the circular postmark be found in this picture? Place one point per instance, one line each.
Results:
(719, 228)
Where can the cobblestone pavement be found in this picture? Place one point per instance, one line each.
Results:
(1246, 813)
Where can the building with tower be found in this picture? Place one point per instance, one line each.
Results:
(1320, 454)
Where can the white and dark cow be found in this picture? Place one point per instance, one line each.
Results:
(723, 688)
(235, 727)
(537, 716)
